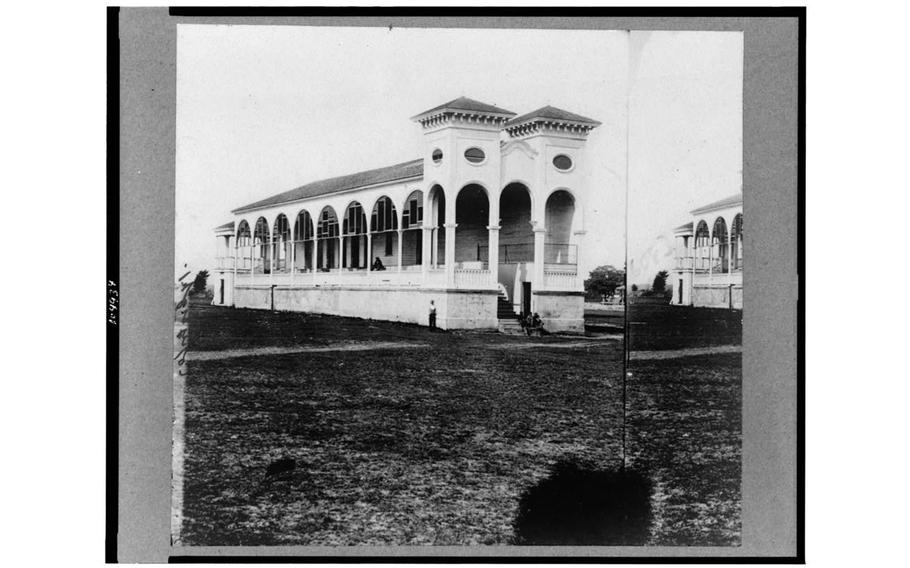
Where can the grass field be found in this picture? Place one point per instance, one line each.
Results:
(406, 436)
(660, 326)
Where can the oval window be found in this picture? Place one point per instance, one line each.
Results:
(437, 156)
(562, 162)
(474, 155)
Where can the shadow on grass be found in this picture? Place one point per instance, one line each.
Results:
(579, 505)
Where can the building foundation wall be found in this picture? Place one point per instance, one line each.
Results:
(257, 297)
(462, 309)
(223, 280)
(718, 296)
(560, 312)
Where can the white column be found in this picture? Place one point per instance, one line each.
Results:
(540, 234)
(493, 253)
(729, 252)
(493, 228)
(234, 279)
(450, 254)
(579, 247)
(711, 259)
(400, 248)
(293, 258)
(691, 287)
(272, 255)
(369, 251)
(450, 225)
(342, 252)
(338, 252)
(426, 236)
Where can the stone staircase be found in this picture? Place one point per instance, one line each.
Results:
(507, 318)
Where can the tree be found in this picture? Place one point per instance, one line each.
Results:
(660, 282)
(603, 281)
(201, 281)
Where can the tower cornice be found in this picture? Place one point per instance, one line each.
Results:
(464, 112)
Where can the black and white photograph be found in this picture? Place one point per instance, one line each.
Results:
(458, 287)
(455, 284)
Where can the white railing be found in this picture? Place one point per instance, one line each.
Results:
(224, 263)
(472, 278)
(337, 277)
(244, 263)
(560, 279)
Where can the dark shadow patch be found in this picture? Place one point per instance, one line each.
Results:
(578, 505)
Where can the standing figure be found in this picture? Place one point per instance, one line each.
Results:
(432, 315)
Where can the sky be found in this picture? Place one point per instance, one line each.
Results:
(685, 136)
(263, 109)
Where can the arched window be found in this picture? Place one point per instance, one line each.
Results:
(303, 227)
(436, 219)
(737, 242)
(327, 235)
(384, 224)
(472, 215)
(383, 217)
(559, 219)
(702, 247)
(243, 234)
(719, 246)
(244, 243)
(354, 242)
(516, 236)
(411, 235)
(412, 216)
(303, 242)
(328, 224)
(281, 243)
(261, 256)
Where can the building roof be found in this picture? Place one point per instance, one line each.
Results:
(684, 228)
(388, 174)
(225, 227)
(465, 104)
(552, 113)
(736, 199)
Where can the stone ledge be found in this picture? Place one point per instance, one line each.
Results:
(556, 293)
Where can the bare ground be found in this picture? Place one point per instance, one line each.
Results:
(440, 439)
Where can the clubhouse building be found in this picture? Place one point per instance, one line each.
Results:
(709, 256)
(487, 224)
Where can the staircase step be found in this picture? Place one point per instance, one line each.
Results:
(508, 319)
(510, 327)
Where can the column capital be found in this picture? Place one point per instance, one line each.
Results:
(450, 225)
(539, 229)
(493, 227)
